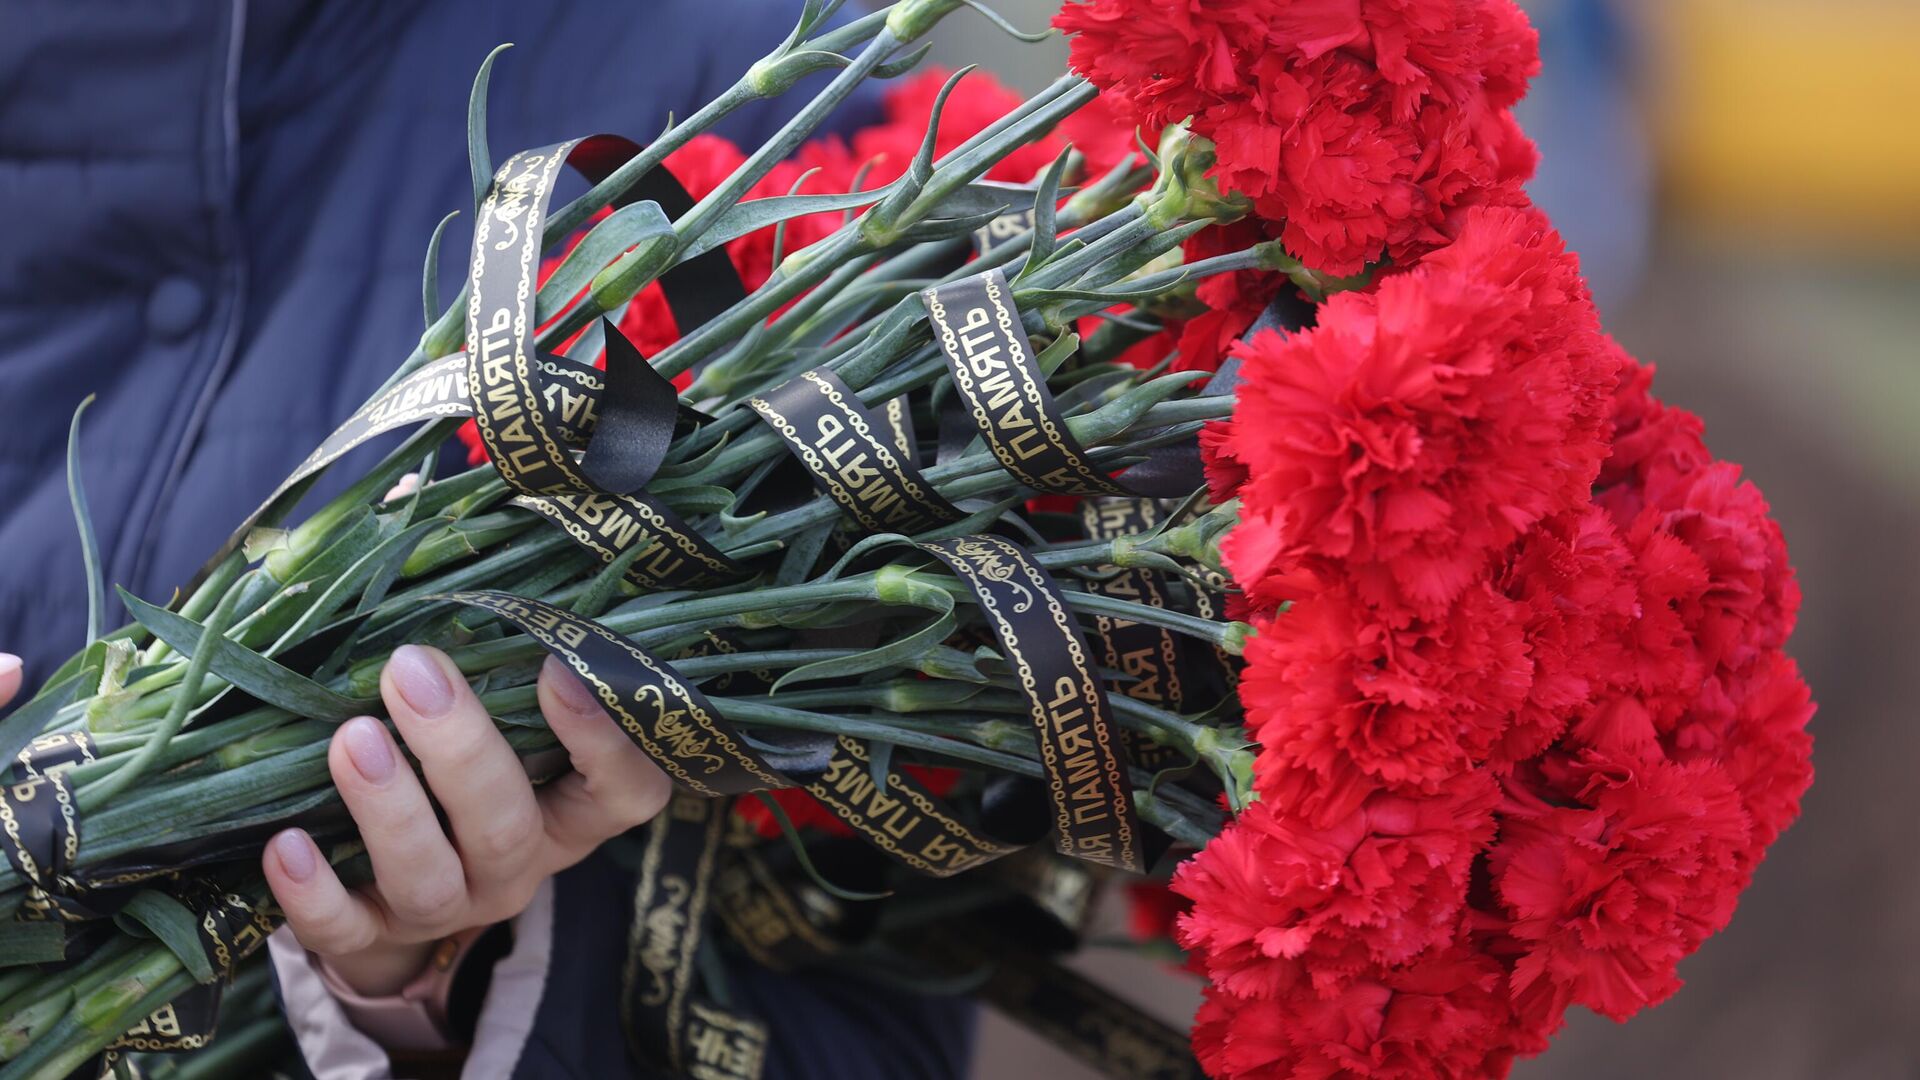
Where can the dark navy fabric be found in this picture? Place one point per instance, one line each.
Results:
(215, 219)
(820, 1027)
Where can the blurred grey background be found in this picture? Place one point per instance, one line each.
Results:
(1742, 179)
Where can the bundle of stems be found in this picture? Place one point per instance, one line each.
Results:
(210, 719)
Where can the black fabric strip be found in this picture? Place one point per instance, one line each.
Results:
(1151, 655)
(673, 555)
(636, 423)
(994, 369)
(901, 818)
(670, 1024)
(696, 290)
(1086, 773)
(658, 709)
(852, 455)
(40, 827)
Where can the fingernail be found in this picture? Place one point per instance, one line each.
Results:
(573, 693)
(421, 681)
(9, 663)
(296, 853)
(369, 749)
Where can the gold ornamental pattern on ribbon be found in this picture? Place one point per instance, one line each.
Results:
(1086, 775)
(1150, 655)
(40, 824)
(1006, 395)
(658, 709)
(765, 919)
(853, 456)
(673, 555)
(901, 818)
(668, 1022)
(502, 368)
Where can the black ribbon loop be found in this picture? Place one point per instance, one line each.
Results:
(1005, 393)
(658, 709)
(670, 1023)
(696, 290)
(854, 457)
(1086, 773)
(900, 817)
(40, 825)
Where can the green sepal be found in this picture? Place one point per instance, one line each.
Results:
(605, 242)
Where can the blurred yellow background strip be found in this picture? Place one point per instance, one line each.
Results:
(1796, 115)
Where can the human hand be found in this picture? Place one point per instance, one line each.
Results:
(506, 837)
(9, 677)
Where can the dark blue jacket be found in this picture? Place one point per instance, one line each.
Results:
(217, 217)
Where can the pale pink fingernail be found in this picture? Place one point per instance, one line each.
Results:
(9, 663)
(296, 854)
(567, 686)
(368, 748)
(421, 680)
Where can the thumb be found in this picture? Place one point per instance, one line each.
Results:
(9, 677)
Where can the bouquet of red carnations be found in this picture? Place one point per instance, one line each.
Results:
(1214, 456)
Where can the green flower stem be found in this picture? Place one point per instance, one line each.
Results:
(102, 1016)
(937, 739)
(184, 699)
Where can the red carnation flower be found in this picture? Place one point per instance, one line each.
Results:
(1225, 473)
(1345, 703)
(1572, 574)
(1611, 871)
(1753, 723)
(1446, 1016)
(1358, 125)
(1278, 897)
(1416, 429)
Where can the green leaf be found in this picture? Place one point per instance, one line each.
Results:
(906, 62)
(385, 559)
(880, 762)
(593, 600)
(430, 275)
(387, 571)
(892, 654)
(1046, 223)
(246, 669)
(89, 542)
(1000, 21)
(27, 721)
(477, 159)
(32, 943)
(1054, 355)
(605, 242)
(754, 214)
(169, 920)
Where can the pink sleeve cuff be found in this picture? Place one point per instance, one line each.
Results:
(416, 1017)
(337, 1046)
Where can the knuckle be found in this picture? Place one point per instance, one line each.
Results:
(507, 836)
(428, 899)
(331, 931)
